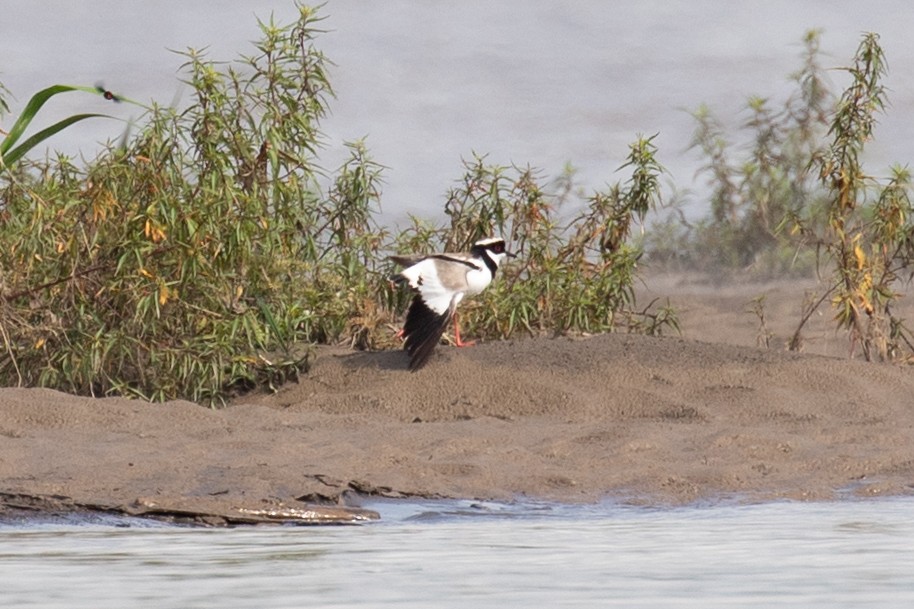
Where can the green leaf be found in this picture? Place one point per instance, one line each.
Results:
(31, 109)
(11, 157)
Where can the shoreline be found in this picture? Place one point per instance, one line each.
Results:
(652, 421)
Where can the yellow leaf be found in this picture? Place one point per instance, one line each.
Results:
(145, 273)
(861, 257)
(153, 232)
(102, 205)
(40, 343)
(164, 294)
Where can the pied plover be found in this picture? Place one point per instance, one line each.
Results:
(441, 281)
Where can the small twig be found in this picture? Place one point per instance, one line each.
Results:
(51, 284)
(76, 274)
(795, 339)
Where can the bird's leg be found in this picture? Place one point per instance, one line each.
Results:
(457, 340)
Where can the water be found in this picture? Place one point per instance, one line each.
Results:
(428, 83)
(845, 554)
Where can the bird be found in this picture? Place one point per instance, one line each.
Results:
(441, 282)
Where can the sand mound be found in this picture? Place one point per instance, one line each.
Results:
(667, 420)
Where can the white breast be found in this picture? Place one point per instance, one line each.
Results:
(478, 280)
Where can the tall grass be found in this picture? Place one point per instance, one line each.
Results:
(208, 253)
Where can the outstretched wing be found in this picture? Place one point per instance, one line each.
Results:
(423, 329)
(438, 283)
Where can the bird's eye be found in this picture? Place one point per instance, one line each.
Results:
(498, 248)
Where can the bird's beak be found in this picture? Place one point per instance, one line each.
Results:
(510, 254)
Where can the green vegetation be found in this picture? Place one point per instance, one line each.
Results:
(575, 276)
(756, 179)
(867, 235)
(207, 253)
(798, 200)
(203, 256)
(10, 153)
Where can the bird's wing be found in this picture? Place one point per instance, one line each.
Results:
(437, 280)
(441, 282)
(408, 260)
(423, 329)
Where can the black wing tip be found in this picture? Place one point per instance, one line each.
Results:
(422, 332)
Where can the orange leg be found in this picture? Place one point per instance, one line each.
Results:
(457, 340)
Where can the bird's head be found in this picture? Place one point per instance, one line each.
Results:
(493, 248)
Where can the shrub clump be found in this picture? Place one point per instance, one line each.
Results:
(205, 254)
(190, 262)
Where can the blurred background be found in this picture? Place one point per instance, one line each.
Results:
(430, 83)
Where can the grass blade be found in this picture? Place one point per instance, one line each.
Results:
(36, 102)
(31, 109)
(16, 153)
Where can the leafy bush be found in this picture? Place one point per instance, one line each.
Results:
(867, 235)
(191, 262)
(573, 276)
(203, 256)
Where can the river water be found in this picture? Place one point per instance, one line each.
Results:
(458, 554)
(536, 82)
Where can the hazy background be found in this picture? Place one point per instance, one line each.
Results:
(428, 83)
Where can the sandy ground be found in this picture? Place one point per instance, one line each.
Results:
(708, 416)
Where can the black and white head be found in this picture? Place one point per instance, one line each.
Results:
(492, 251)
